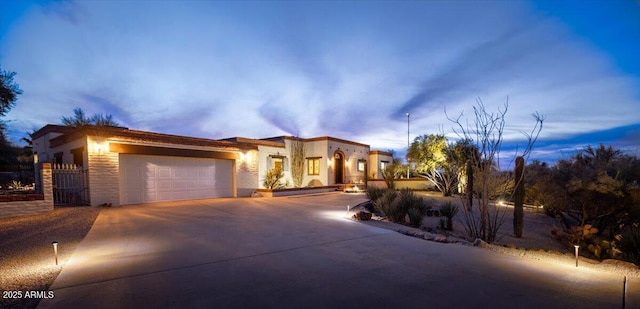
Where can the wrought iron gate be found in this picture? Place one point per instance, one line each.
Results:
(70, 185)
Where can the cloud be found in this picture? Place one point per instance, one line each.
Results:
(279, 118)
(351, 70)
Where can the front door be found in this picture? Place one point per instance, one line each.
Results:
(339, 167)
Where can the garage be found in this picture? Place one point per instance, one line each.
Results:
(150, 178)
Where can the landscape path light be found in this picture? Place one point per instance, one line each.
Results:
(55, 250)
(576, 247)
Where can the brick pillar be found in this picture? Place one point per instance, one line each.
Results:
(46, 179)
(37, 169)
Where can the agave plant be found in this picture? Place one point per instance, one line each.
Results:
(15, 185)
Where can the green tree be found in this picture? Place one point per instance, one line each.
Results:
(9, 91)
(26, 155)
(596, 186)
(392, 172)
(434, 160)
(80, 119)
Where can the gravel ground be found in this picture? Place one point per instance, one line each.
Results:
(28, 262)
(536, 242)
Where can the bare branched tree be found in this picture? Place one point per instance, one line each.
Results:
(482, 218)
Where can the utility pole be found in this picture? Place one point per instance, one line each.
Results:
(408, 146)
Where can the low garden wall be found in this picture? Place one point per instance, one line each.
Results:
(411, 183)
(296, 191)
(12, 205)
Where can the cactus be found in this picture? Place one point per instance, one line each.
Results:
(518, 196)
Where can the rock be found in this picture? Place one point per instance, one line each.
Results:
(362, 216)
(368, 205)
(620, 263)
(440, 238)
(480, 243)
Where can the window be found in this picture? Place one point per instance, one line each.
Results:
(279, 162)
(313, 166)
(57, 158)
(361, 165)
(77, 156)
(383, 165)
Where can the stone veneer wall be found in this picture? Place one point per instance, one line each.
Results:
(20, 208)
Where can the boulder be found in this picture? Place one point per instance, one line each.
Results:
(362, 216)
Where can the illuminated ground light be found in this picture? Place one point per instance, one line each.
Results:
(102, 252)
(336, 215)
(55, 250)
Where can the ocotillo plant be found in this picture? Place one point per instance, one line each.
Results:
(518, 198)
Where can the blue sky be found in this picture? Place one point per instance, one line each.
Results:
(349, 69)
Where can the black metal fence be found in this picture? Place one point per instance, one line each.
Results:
(24, 173)
(69, 185)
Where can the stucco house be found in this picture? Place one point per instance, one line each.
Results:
(127, 166)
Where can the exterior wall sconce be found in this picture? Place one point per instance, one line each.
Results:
(100, 147)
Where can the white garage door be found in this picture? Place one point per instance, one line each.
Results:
(146, 179)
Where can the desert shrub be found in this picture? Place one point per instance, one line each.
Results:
(629, 244)
(449, 211)
(443, 224)
(389, 204)
(412, 205)
(415, 216)
(397, 205)
(272, 179)
(409, 200)
(373, 193)
(586, 236)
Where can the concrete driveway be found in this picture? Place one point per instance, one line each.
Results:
(299, 253)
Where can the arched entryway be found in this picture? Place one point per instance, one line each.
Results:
(338, 167)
